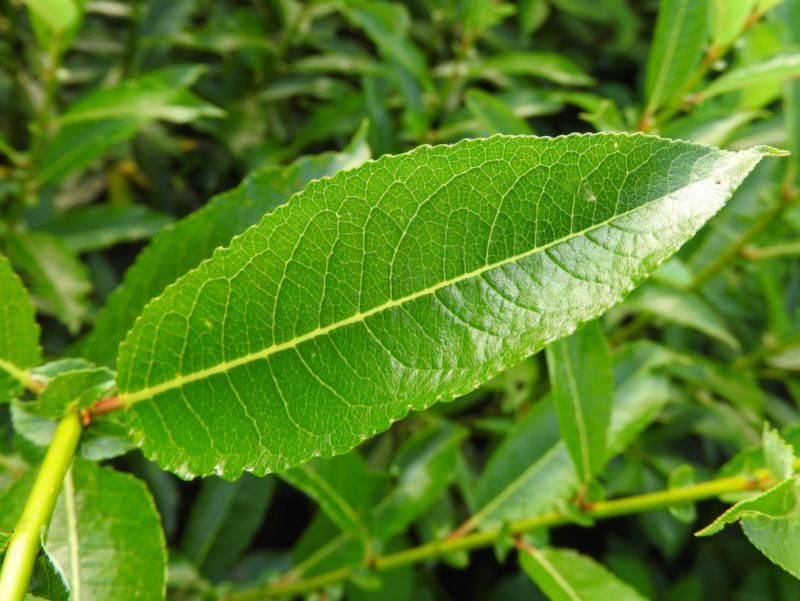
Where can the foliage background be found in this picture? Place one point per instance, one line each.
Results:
(133, 114)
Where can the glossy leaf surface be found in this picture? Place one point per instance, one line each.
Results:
(406, 281)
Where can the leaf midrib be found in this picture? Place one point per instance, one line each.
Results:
(559, 579)
(583, 440)
(131, 397)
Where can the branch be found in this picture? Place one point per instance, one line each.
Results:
(760, 480)
(33, 522)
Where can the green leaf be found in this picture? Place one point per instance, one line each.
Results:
(388, 26)
(776, 69)
(340, 486)
(681, 307)
(495, 115)
(681, 32)
(183, 245)
(106, 117)
(426, 465)
(771, 522)
(59, 15)
(545, 65)
(375, 292)
(19, 334)
(47, 581)
(582, 381)
(101, 226)
(223, 521)
(778, 455)
(532, 14)
(564, 575)
(105, 536)
(714, 128)
(75, 390)
(511, 487)
(728, 20)
(59, 282)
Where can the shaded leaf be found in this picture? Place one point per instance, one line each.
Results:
(341, 487)
(775, 69)
(223, 521)
(105, 536)
(494, 114)
(47, 581)
(512, 484)
(426, 465)
(582, 381)
(106, 117)
(59, 282)
(102, 226)
(564, 575)
(19, 334)
(682, 307)
(681, 32)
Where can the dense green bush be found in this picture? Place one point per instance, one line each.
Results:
(221, 321)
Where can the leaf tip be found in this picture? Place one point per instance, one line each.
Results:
(771, 151)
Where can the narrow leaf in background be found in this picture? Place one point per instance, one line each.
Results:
(341, 487)
(564, 575)
(776, 69)
(59, 282)
(106, 117)
(681, 32)
(728, 20)
(223, 521)
(582, 381)
(102, 226)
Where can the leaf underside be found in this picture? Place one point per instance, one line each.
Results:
(408, 280)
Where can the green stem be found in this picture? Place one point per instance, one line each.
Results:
(761, 479)
(787, 249)
(32, 524)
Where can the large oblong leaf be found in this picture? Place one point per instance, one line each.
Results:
(408, 280)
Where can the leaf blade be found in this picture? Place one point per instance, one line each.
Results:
(583, 403)
(564, 575)
(681, 31)
(398, 295)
